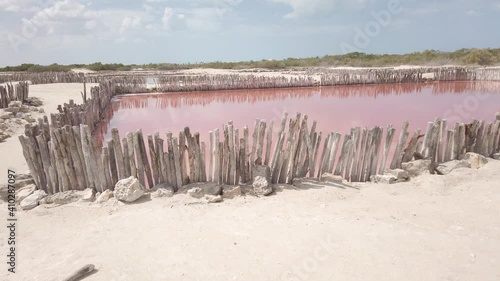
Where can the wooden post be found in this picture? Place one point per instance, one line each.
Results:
(131, 155)
(398, 156)
(112, 162)
(269, 142)
(232, 159)
(479, 139)
(409, 152)
(177, 164)
(118, 153)
(260, 142)
(361, 155)
(100, 167)
(342, 159)
(293, 150)
(315, 157)
(211, 156)
(203, 175)
(140, 164)
(325, 155)
(87, 155)
(182, 157)
(237, 156)
(388, 142)
(170, 161)
(254, 143)
(105, 164)
(153, 156)
(126, 160)
(461, 141)
(286, 155)
(79, 167)
(216, 153)
(449, 145)
(277, 148)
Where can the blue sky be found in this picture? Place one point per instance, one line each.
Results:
(84, 31)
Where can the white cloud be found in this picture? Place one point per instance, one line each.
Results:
(313, 8)
(167, 17)
(90, 25)
(129, 23)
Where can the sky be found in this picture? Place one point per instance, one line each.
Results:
(182, 31)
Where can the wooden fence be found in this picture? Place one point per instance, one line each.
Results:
(69, 158)
(10, 92)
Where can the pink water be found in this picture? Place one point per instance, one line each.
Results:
(334, 108)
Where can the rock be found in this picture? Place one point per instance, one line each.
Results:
(230, 192)
(261, 186)
(104, 197)
(475, 160)
(34, 101)
(15, 104)
(63, 198)
(34, 109)
(24, 192)
(496, 156)
(401, 175)
(128, 190)
(385, 179)
(12, 109)
(417, 167)
(262, 171)
(31, 201)
(2, 121)
(3, 127)
(88, 195)
(448, 167)
(24, 109)
(30, 119)
(327, 177)
(162, 193)
(6, 115)
(213, 199)
(41, 110)
(196, 192)
(212, 189)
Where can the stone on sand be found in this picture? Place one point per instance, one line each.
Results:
(128, 190)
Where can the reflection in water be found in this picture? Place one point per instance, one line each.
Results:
(336, 108)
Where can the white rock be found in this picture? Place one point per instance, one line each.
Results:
(475, 160)
(15, 104)
(496, 156)
(25, 192)
(261, 186)
(196, 192)
(162, 192)
(327, 177)
(417, 167)
(401, 175)
(213, 199)
(88, 195)
(128, 190)
(384, 179)
(41, 110)
(104, 197)
(62, 198)
(31, 201)
(448, 167)
(230, 192)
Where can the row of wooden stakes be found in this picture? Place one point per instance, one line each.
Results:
(70, 158)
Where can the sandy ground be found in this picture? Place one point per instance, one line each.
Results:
(52, 95)
(432, 228)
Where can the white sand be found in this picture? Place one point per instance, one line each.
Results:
(432, 228)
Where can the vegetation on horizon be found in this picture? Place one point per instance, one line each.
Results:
(477, 57)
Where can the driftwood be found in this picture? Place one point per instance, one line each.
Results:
(81, 273)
